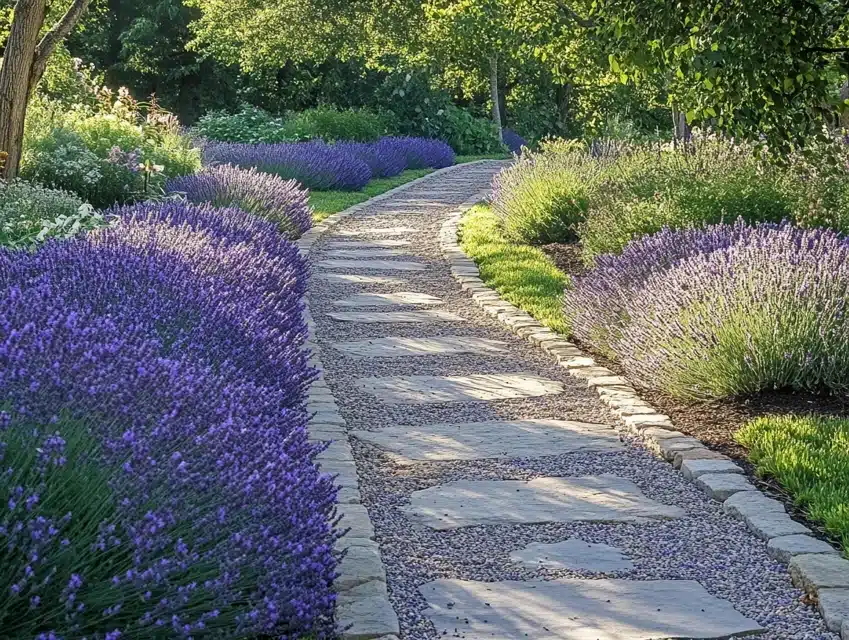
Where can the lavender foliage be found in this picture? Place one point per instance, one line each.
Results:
(315, 165)
(422, 153)
(263, 194)
(720, 311)
(383, 157)
(159, 480)
(515, 143)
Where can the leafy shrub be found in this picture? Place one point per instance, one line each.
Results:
(809, 456)
(723, 310)
(420, 111)
(513, 141)
(543, 196)
(647, 189)
(248, 125)
(30, 214)
(384, 158)
(153, 386)
(315, 165)
(422, 153)
(100, 155)
(263, 194)
(331, 125)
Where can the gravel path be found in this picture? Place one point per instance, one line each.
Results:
(704, 545)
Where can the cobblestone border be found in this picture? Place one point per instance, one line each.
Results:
(363, 610)
(814, 565)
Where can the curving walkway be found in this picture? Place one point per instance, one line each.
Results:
(500, 498)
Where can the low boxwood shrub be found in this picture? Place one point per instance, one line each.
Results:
(263, 194)
(315, 165)
(809, 456)
(30, 214)
(544, 196)
(161, 481)
(331, 125)
(723, 310)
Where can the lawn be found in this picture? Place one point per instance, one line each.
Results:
(466, 159)
(809, 456)
(325, 203)
(522, 274)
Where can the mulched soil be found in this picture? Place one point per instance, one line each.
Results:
(716, 422)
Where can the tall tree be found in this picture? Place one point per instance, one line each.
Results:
(24, 61)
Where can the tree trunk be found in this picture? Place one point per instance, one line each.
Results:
(680, 128)
(493, 90)
(24, 62)
(564, 105)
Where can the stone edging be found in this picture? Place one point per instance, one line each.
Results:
(363, 610)
(814, 565)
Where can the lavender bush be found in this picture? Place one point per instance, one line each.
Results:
(422, 153)
(263, 194)
(384, 158)
(315, 165)
(730, 309)
(515, 143)
(160, 482)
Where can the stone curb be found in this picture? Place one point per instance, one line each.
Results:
(814, 565)
(363, 610)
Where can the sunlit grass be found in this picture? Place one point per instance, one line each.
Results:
(522, 274)
(326, 203)
(809, 457)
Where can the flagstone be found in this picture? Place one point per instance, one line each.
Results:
(382, 265)
(387, 317)
(387, 299)
(399, 347)
(470, 388)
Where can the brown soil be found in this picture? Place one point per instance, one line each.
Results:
(716, 422)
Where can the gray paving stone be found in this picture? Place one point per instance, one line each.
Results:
(387, 299)
(604, 498)
(774, 525)
(573, 553)
(366, 618)
(355, 517)
(784, 548)
(833, 604)
(494, 439)
(844, 630)
(363, 253)
(367, 244)
(400, 347)
(377, 231)
(381, 265)
(569, 609)
(814, 571)
(692, 469)
(697, 453)
(721, 486)
(471, 388)
(389, 317)
(353, 278)
(361, 564)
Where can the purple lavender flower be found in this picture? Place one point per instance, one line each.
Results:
(422, 153)
(384, 158)
(315, 165)
(263, 194)
(515, 143)
(724, 310)
(152, 380)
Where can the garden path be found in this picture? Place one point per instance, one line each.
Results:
(503, 502)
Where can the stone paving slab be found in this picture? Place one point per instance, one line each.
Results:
(493, 439)
(603, 498)
(388, 299)
(580, 610)
(363, 253)
(352, 278)
(389, 317)
(573, 553)
(381, 265)
(367, 244)
(399, 347)
(377, 231)
(471, 388)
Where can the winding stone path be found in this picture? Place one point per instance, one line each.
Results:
(492, 493)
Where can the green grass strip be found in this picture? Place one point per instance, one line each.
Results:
(475, 158)
(809, 457)
(522, 274)
(325, 203)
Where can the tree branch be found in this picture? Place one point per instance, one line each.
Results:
(827, 49)
(572, 14)
(59, 32)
